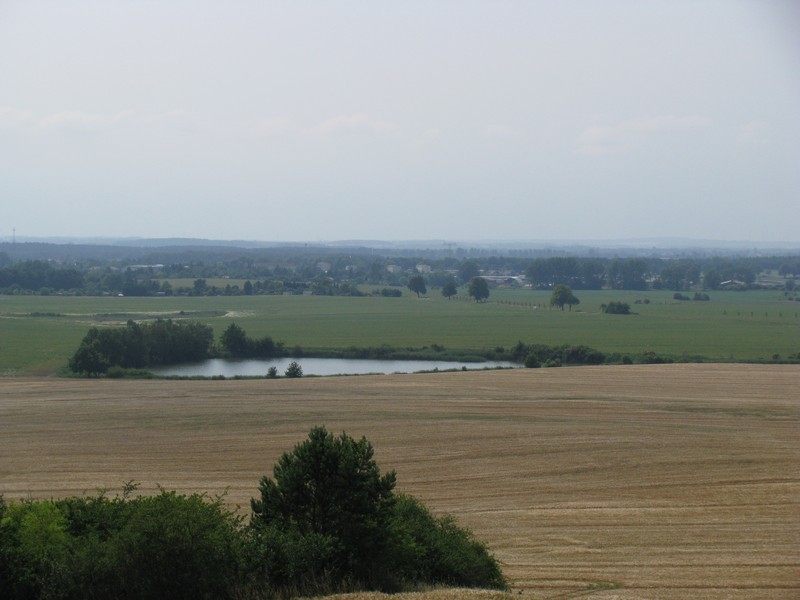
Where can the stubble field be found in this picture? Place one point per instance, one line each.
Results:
(663, 481)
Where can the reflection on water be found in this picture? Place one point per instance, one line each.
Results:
(317, 366)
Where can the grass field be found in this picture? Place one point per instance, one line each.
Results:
(658, 481)
(39, 333)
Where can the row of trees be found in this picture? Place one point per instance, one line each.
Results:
(327, 521)
(477, 288)
(327, 274)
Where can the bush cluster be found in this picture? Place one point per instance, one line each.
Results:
(237, 344)
(534, 355)
(616, 308)
(136, 346)
(328, 521)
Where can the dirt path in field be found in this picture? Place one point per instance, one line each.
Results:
(663, 481)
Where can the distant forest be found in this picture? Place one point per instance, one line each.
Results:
(146, 271)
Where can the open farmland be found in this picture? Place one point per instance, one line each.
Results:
(668, 481)
(38, 334)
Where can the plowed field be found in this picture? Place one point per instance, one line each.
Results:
(664, 481)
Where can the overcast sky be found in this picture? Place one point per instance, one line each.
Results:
(400, 120)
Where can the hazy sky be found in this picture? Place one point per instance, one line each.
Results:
(400, 120)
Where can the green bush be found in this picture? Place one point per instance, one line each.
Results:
(155, 547)
(178, 547)
(617, 308)
(430, 550)
(329, 521)
(294, 370)
(532, 362)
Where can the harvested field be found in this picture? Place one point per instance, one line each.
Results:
(663, 481)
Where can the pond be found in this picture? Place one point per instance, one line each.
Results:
(317, 366)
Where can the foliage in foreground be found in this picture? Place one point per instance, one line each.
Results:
(328, 522)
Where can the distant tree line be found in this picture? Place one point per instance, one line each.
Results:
(341, 275)
(327, 521)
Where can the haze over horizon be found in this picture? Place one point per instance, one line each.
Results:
(469, 120)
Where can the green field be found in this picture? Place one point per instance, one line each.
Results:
(39, 333)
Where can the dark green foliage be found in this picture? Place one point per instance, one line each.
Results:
(329, 521)
(449, 290)
(281, 562)
(566, 355)
(294, 370)
(331, 486)
(237, 344)
(582, 274)
(701, 297)
(417, 285)
(562, 295)
(628, 274)
(178, 547)
(389, 293)
(467, 270)
(152, 547)
(432, 550)
(617, 308)
(679, 275)
(532, 361)
(651, 358)
(39, 274)
(142, 345)
(478, 289)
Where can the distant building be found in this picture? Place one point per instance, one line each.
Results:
(423, 268)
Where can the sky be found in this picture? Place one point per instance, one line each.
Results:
(400, 120)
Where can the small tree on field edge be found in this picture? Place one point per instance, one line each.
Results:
(417, 285)
(294, 370)
(562, 295)
(478, 289)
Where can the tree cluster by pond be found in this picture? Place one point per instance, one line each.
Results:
(327, 521)
(141, 345)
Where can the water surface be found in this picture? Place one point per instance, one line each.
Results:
(317, 366)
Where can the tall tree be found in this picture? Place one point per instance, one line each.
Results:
(562, 295)
(417, 285)
(332, 487)
(449, 290)
(478, 289)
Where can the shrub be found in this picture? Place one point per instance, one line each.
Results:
(175, 546)
(330, 521)
(294, 370)
(431, 550)
(617, 308)
(331, 486)
(532, 362)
